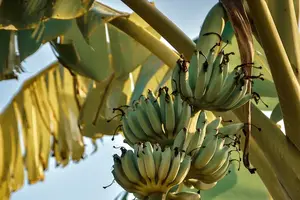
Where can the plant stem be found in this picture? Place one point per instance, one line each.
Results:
(283, 14)
(286, 83)
(157, 196)
(168, 56)
(163, 26)
(259, 160)
(282, 155)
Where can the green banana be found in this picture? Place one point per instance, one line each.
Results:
(120, 176)
(213, 23)
(241, 102)
(157, 158)
(141, 164)
(170, 116)
(200, 185)
(162, 104)
(135, 126)
(149, 161)
(184, 117)
(144, 122)
(228, 87)
(202, 121)
(213, 125)
(193, 69)
(154, 101)
(183, 196)
(203, 77)
(177, 106)
(174, 168)
(183, 171)
(216, 80)
(175, 77)
(205, 154)
(153, 117)
(216, 162)
(218, 175)
(129, 166)
(180, 139)
(185, 88)
(231, 129)
(129, 135)
(164, 165)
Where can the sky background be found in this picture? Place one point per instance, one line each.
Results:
(86, 179)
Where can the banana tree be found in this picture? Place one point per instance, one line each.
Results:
(107, 59)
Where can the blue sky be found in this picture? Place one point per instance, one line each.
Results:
(86, 179)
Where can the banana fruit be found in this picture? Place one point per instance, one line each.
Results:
(207, 81)
(149, 170)
(155, 119)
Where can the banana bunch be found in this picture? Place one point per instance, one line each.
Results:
(149, 169)
(207, 81)
(219, 90)
(155, 119)
(209, 151)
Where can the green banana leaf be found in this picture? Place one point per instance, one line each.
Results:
(118, 55)
(15, 15)
(28, 42)
(276, 114)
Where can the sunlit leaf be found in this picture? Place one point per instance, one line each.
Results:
(29, 14)
(36, 112)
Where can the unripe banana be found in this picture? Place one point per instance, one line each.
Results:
(183, 196)
(135, 126)
(129, 135)
(170, 116)
(180, 139)
(203, 76)
(154, 101)
(175, 77)
(157, 159)
(129, 165)
(153, 117)
(185, 87)
(216, 80)
(213, 23)
(200, 185)
(162, 104)
(193, 69)
(184, 117)
(177, 106)
(238, 93)
(216, 162)
(213, 125)
(195, 143)
(164, 165)
(144, 122)
(141, 164)
(241, 102)
(228, 87)
(183, 171)
(120, 176)
(149, 161)
(174, 168)
(218, 175)
(202, 121)
(205, 154)
(231, 129)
